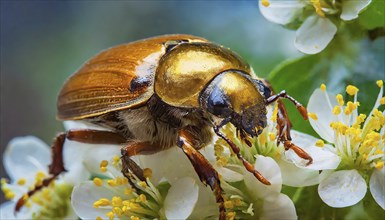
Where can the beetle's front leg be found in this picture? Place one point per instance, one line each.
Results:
(249, 167)
(207, 174)
(284, 124)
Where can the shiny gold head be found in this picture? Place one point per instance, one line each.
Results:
(234, 96)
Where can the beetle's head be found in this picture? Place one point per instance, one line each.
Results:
(233, 96)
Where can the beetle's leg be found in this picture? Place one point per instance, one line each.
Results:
(207, 174)
(249, 167)
(284, 124)
(57, 165)
(136, 148)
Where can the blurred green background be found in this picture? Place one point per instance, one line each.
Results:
(44, 42)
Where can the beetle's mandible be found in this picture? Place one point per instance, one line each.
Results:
(172, 90)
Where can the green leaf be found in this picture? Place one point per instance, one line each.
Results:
(374, 15)
(299, 77)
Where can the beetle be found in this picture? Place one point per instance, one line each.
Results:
(169, 90)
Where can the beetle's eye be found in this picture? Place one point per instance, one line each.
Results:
(264, 90)
(218, 104)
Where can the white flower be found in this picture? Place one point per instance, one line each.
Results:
(295, 171)
(26, 161)
(318, 29)
(256, 200)
(358, 139)
(111, 196)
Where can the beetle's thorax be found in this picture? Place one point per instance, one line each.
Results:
(157, 122)
(185, 70)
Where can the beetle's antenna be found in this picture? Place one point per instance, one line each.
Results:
(283, 94)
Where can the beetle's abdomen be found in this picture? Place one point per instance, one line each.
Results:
(184, 71)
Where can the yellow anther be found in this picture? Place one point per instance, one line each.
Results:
(312, 116)
(230, 215)
(318, 8)
(351, 90)
(237, 202)
(98, 218)
(340, 99)
(104, 163)
(118, 211)
(142, 184)
(110, 215)
(229, 205)
(265, 3)
(337, 110)
(115, 160)
(323, 87)
(40, 175)
(28, 204)
(111, 182)
(141, 198)
(382, 101)
(116, 201)
(218, 148)
(120, 180)
(9, 195)
(134, 218)
(222, 161)
(127, 191)
(262, 139)
(102, 202)
(380, 83)
(379, 165)
(98, 182)
(272, 136)
(147, 173)
(21, 181)
(320, 143)
(103, 169)
(350, 107)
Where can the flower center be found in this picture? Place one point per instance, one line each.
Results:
(265, 144)
(144, 203)
(358, 141)
(53, 202)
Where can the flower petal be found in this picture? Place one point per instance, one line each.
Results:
(314, 34)
(228, 174)
(351, 9)
(85, 194)
(271, 171)
(377, 186)
(74, 154)
(181, 199)
(281, 12)
(280, 208)
(24, 156)
(7, 210)
(206, 207)
(174, 165)
(76, 125)
(94, 154)
(323, 159)
(295, 176)
(342, 188)
(321, 103)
